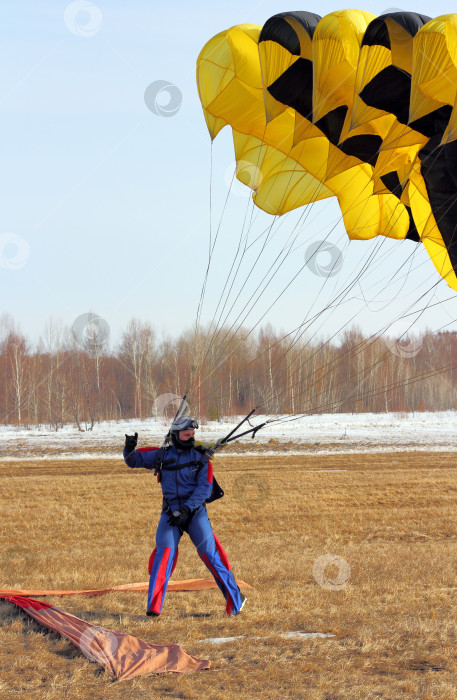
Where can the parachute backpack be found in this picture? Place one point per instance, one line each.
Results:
(217, 491)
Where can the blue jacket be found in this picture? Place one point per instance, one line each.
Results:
(184, 482)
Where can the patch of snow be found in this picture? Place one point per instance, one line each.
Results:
(221, 640)
(284, 635)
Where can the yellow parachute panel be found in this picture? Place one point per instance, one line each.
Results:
(348, 105)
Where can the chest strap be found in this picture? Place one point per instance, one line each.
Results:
(171, 466)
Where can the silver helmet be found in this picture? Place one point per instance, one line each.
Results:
(183, 423)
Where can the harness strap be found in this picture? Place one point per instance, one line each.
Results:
(169, 466)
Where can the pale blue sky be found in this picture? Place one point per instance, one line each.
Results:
(107, 204)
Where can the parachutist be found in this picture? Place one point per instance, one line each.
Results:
(186, 477)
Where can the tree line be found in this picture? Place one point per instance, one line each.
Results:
(79, 378)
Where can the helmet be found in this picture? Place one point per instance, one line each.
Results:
(183, 423)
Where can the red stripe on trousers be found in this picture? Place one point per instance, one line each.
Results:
(151, 561)
(205, 559)
(229, 606)
(222, 554)
(157, 596)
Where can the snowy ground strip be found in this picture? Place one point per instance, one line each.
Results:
(81, 456)
(322, 434)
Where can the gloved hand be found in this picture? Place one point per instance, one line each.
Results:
(130, 442)
(179, 517)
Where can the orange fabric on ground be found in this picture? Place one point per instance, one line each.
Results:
(191, 584)
(119, 653)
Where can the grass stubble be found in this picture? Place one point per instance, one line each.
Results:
(391, 517)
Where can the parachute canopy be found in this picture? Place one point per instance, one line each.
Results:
(349, 105)
(121, 654)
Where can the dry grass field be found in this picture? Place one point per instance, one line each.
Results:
(391, 517)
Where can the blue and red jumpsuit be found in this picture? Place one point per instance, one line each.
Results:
(186, 478)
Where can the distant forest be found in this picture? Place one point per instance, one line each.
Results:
(79, 378)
